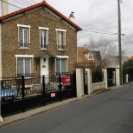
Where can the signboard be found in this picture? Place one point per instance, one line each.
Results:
(66, 80)
(53, 95)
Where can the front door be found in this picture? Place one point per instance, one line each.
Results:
(44, 63)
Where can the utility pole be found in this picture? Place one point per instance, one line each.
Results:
(119, 38)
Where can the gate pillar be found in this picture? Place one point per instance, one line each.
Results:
(79, 82)
(89, 74)
(117, 76)
(105, 78)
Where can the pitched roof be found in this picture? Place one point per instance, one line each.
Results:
(82, 59)
(44, 3)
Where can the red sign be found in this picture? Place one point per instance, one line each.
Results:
(52, 95)
(66, 80)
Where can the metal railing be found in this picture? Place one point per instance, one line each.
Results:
(20, 94)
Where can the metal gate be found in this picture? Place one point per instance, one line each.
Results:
(111, 77)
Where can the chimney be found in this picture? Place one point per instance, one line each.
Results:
(4, 7)
(72, 17)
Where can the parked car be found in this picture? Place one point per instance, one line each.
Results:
(8, 93)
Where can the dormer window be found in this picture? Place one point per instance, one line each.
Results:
(90, 56)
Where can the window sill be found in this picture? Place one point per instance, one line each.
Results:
(61, 49)
(24, 48)
(43, 48)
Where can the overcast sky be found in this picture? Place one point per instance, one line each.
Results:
(94, 15)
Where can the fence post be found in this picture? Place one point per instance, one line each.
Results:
(79, 82)
(43, 91)
(105, 78)
(1, 120)
(60, 88)
(23, 94)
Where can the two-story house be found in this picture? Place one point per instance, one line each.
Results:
(37, 40)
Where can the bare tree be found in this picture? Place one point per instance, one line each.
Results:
(104, 46)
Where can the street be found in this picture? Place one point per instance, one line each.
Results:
(109, 112)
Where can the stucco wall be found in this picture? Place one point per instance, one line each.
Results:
(97, 86)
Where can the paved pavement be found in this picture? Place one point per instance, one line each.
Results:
(109, 112)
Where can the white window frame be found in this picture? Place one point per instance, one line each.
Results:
(62, 57)
(90, 55)
(24, 57)
(23, 26)
(47, 37)
(57, 39)
(24, 64)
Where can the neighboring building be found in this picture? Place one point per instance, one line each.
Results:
(131, 57)
(88, 58)
(39, 40)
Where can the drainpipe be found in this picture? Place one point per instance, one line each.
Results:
(0, 68)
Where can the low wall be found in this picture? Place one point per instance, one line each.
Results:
(97, 86)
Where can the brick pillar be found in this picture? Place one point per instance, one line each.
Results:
(79, 82)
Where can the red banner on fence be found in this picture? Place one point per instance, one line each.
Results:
(66, 80)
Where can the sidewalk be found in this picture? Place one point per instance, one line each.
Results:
(40, 110)
(37, 111)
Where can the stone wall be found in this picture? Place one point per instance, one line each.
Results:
(40, 17)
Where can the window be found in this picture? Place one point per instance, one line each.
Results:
(44, 38)
(24, 35)
(90, 56)
(61, 39)
(60, 46)
(61, 65)
(24, 67)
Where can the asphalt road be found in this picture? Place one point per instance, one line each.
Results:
(110, 112)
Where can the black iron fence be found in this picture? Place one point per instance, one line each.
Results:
(21, 94)
(97, 76)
